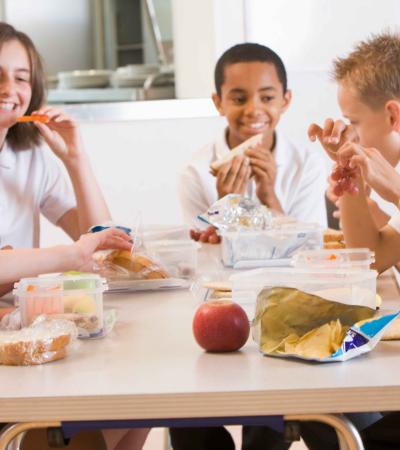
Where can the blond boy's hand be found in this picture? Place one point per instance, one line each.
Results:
(233, 176)
(332, 136)
(375, 170)
(330, 194)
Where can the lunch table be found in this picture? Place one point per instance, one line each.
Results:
(150, 372)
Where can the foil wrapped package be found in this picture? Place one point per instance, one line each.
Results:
(292, 323)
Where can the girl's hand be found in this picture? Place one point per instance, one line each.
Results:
(8, 287)
(61, 134)
(110, 239)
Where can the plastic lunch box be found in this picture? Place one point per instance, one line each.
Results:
(77, 297)
(349, 286)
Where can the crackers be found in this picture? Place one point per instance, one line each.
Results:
(219, 289)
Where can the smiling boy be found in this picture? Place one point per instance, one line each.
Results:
(251, 92)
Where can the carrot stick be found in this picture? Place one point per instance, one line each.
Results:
(34, 118)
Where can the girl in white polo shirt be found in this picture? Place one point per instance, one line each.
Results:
(32, 183)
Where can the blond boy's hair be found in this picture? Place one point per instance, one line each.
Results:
(373, 69)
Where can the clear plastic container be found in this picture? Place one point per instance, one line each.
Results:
(76, 297)
(165, 232)
(349, 258)
(178, 257)
(351, 286)
(262, 245)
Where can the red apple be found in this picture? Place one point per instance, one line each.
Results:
(221, 326)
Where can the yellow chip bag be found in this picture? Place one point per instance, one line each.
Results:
(289, 322)
(320, 342)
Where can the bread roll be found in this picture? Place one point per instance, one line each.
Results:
(23, 358)
(44, 341)
(139, 265)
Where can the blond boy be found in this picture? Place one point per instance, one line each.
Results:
(369, 97)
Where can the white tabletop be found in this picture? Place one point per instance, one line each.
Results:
(151, 367)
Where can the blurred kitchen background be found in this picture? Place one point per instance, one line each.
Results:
(100, 50)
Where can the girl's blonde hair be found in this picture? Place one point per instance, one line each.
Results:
(25, 135)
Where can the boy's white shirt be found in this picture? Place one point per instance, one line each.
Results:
(300, 185)
(387, 207)
(31, 183)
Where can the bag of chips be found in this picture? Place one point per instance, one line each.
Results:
(293, 323)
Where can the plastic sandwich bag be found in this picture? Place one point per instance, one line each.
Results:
(234, 212)
(43, 341)
(292, 323)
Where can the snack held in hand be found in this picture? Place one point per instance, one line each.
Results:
(239, 150)
(345, 181)
(221, 326)
(34, 118)
(42, 342)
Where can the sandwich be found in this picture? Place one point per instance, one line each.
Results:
(42, 342)
(239, 150)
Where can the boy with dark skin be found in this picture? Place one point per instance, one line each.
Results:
(252, 93)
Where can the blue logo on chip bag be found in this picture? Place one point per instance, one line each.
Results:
(353, 340)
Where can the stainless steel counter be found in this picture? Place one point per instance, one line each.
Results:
(140, 110)
(100, 95)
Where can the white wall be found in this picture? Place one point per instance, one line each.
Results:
(308, 34)
(202, 31)
(60, 29)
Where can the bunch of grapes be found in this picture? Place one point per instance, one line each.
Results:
(345, 178)
(208, 235)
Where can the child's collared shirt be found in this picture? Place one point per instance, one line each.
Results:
(300, 184)
(31, 183)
